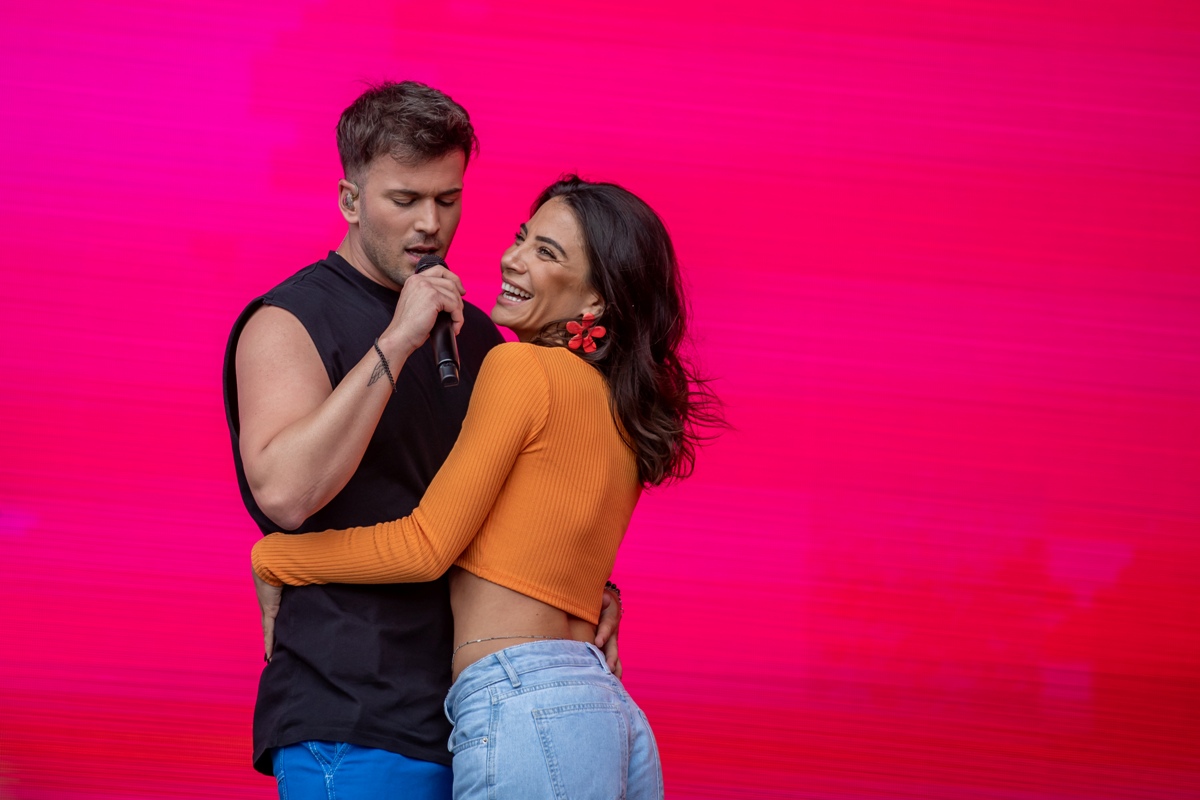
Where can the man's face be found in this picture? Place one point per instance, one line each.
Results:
(407, 211)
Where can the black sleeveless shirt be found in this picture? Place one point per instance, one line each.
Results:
(367, 665)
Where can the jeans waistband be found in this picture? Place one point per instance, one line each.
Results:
(509, 664)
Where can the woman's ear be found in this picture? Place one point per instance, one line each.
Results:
(595, 305)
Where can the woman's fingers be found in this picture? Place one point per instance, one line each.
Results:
(268, 603)
(606, 631)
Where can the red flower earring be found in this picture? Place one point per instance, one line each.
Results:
(584, 333)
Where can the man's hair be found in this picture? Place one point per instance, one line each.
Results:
(409, 121)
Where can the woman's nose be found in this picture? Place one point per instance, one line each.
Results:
(511, 260)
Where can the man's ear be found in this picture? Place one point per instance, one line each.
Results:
(348, 199)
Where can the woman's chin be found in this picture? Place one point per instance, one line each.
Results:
(502, 317)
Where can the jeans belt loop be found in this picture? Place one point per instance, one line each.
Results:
(508, 668)
(599, 654)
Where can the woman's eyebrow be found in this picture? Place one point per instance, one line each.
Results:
(552, 243)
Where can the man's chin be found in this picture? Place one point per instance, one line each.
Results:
(397, 273)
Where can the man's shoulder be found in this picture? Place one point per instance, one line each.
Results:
(284, 294)
(318, 277)
(316, 302)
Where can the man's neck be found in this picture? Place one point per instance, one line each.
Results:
(353, 253)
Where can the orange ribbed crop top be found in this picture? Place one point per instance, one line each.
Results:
(535, 496)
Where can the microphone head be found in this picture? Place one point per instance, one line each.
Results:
(430, 260)
(448, 372)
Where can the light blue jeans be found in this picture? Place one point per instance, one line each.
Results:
(549, 720)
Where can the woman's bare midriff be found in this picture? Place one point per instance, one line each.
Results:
(485, 610)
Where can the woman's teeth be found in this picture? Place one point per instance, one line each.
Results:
(513, 293)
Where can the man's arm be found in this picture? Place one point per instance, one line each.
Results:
(301, 439)
(509, 405)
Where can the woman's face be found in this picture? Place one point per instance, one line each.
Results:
(544, 274)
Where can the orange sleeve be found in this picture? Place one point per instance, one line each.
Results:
(508, 408)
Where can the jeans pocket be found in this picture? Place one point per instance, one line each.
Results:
(471, 722)
(470, 769)
(467, 744)
(586, 747)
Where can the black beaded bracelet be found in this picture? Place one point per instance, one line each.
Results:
(612, 587)
(386, 368)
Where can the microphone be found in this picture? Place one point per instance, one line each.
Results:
(445, 346)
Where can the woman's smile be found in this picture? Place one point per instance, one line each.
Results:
(512, 294)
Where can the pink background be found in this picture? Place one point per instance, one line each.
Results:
(945, 262)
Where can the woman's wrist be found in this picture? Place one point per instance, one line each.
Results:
(612, 589)
(257, 561)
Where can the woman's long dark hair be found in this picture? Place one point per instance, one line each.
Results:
(661, 403)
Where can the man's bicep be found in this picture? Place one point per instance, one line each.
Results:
(280, 380)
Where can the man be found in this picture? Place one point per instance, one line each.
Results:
(350, 702)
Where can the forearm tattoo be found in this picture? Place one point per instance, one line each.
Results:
(376, 374)
(383, 367)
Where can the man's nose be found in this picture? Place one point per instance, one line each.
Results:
(429, 220)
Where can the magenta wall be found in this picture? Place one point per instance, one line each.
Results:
(945, 261)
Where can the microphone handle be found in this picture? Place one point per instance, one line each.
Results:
(445, 346)
(445, 349)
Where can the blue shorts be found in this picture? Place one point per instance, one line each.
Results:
(327, 770)
(548, 720)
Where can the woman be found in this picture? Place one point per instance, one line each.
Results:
(564, 428)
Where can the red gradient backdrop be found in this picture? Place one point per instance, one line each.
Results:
(945, 264)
